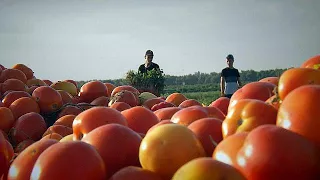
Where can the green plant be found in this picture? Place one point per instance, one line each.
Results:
(152, 81)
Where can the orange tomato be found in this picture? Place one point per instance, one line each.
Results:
(207, 168)
(168, 147)
(246, 115)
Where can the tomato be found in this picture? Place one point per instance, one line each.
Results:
(176, 98)
(124, 96)
(12, 74)
(77, 160)
(13, 85)
(207, 168)
(299, 112)
(25, 69)
(227, 150)
(68, 87)
(92, 90)
(6, 119)
(95, 117)
(272, 152)
(118, 146)
(209, 132)
(272, 80)
(162, 105)
(221, 103)
(22, 165)
(254, 90)
(186, 116)
(166, 113)
(189, 103)
(120, 106)
(140, 119)
(168, 147)
(135, 173)
(49, 99)
(248, 114)
(101, 101)
(28, 126)
(312, 62)
(296, 77)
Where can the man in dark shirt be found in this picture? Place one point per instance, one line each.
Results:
(148, 65)
(230, 78)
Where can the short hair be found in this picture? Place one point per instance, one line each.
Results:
(149, 52)
(230, 56)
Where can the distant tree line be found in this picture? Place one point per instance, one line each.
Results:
(207, 80)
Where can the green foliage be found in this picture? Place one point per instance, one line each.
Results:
(151, 81)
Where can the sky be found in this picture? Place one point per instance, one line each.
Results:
(104, 39)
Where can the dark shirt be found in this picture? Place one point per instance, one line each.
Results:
(230, 74)
(143, 69)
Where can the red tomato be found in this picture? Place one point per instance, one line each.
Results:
(299, 112)
(254, 90)
(187, 115)
(209, 132)
(95, 117)
(272, 152)
(22, 166)
(118, 146)
(140, 119)
(69, 160)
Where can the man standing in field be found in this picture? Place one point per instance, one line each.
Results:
(230, 78)
(148, 65)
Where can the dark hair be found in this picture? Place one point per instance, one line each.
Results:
(230, 56)
(149, 52)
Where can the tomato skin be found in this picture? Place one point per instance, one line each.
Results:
(77, 160)
(22, 166)
(140, 119)
(118, 146)
(312, 62)
(272, 80)
(227, 150)
(221, 103)
(296, 77)
(207, 168)
(208, 130)
(94, 117)
(265, 155)
(187, 115)
(254, 90)
(246, 115)
(167, 147)
(299, 112)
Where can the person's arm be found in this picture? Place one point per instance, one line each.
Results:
(239, 82)
(222, 85)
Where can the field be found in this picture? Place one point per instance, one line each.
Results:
(202, 93)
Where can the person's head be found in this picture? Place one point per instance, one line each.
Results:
(149, 55)
(230, 60)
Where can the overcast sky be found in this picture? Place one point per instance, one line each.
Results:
(103, 39)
